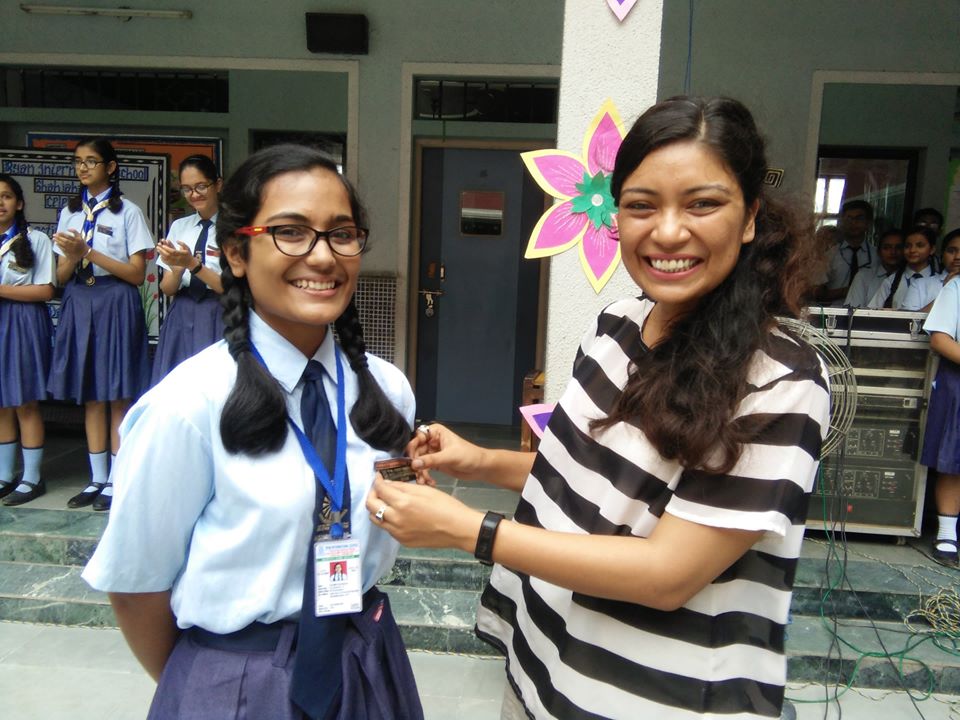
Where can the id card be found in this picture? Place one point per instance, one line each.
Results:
(337, 574)
(396, 469)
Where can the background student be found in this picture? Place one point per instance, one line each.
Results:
(100, 352)
(919, 250)
(189, 258)
(924, 291)
(26, 283)
(868, 281)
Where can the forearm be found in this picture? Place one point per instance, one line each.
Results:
(211, 279)
(945, 346)
(505, 468)
(26, 293)
(149, 627)
(131, 272)
(65, 269)
(170, 282)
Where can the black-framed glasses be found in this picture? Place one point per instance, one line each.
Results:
(89, 163)
(299, 240)
(199, 189)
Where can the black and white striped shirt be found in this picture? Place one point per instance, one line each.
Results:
(576, 656)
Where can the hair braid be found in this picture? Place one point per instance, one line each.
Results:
(22, 249)
(374, 417)
(253, 420)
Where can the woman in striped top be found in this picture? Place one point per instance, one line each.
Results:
(649, 566)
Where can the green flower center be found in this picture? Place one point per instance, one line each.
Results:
(595, 200)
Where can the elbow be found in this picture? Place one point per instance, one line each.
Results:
(668, 601)
(46, 294)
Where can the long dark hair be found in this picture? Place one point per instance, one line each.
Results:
(104, 148)
(254, 417)
(22, 249)
(684, 391)
(202, 164)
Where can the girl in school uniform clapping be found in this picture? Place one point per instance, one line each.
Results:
(100, 353)
(919, 251)
(26, 283)
(261, 451)
(190, 260)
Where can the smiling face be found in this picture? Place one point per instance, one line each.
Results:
(9, 205)
(205, 203)
(951, 256)
(97, 178)
(299, 297)
(682, 222)
(917, 250)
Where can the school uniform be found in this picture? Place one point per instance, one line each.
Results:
(100, 353)
(865, 285)
(195, 319)
(907, 279)
(844, 258)
(232, 538)
(25, 327)
(923, 291)
(941, 442)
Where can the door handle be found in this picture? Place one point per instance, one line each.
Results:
(428, 296)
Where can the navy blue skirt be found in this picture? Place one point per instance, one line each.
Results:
(100, 352)
(188, 328)
(25, 332)
(941, 440)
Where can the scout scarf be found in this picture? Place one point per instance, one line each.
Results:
(90, 218)
(8, 239)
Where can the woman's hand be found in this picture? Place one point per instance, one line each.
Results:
(176, 256)
(71, 244)
(421, 516)
(442, 449)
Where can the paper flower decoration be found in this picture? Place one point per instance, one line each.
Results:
(586, 215)
(621, 7)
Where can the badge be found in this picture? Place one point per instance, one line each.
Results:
(213, 252)
(91, 280)
(105, 229)
(397, 469)
(337, 577)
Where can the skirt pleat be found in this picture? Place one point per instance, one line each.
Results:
(189, 327)
(25, 332)
(941, 441)
(100, 353)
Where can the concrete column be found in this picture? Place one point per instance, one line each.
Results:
(602, 58)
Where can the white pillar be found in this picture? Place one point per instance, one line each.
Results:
(602, 58)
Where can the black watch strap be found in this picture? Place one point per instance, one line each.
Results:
(488, 531)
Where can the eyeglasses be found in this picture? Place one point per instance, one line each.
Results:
(88, 164)
(299, 240)
(199, 188)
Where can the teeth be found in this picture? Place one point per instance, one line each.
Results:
(673, 265)
(314, 284)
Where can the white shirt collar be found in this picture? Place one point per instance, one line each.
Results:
(199, 219)
(286, 362)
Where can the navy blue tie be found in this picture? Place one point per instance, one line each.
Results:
(198, 288)
(316, 670)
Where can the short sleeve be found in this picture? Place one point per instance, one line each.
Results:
(787, 421)
(163, 480)
(135, 226)
(880, 296)
(43, 264)
(63, 222)
(945, 312)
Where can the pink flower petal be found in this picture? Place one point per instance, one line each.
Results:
(603, 145)
(558, 229)
(599, 254)
(556, 171)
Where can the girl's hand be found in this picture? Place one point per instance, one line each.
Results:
(442, 449)
(421, 516)
(71, 244)
(176, 255)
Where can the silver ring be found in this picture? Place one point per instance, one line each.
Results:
(425, 429)
(379, 514)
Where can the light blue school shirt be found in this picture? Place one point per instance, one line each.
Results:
(838, 264)
(922, 292)
(187, 230)
(880, 296)
(118, 235)
(230, 533)
(944, 316)
(42, 272)
(864, 285)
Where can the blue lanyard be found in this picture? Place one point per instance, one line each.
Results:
(334, 487)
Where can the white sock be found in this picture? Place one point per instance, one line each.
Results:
(946, 530)
(98, 470)
(32, 457)
(8, 453)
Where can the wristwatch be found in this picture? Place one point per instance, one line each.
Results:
(198, 267)
(488, 531)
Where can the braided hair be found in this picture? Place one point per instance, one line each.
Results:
(254, 416)
(104, 148)
(22, 249)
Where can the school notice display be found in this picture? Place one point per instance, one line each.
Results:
(49, 181)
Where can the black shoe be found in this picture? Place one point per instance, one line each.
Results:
(8, 488)
(946, 557)
(19, 498)
(86, 497)
(102, 502)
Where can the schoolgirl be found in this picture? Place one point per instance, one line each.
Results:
(206, 553)
(26, 283)
(941, 442)
(190, 263)
(923, 292)
(660, 522)
(919, 252)
(100, 352)
(868, 281)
